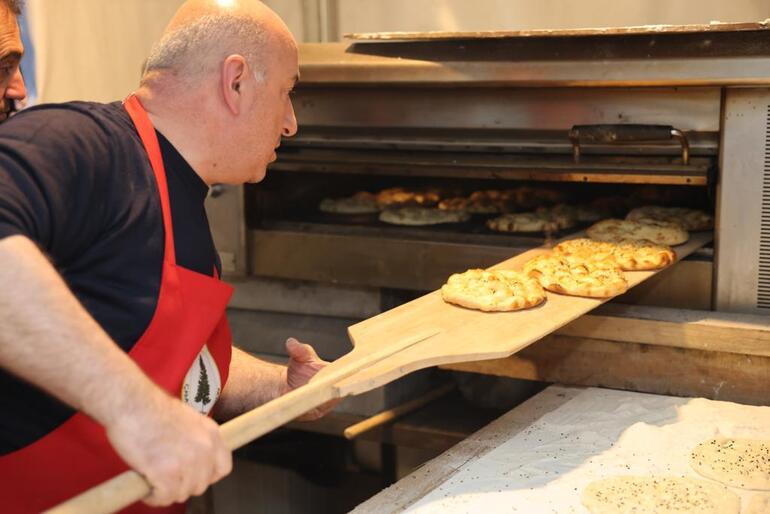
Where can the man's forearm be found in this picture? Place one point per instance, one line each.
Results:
(251, 383)
(51, 341)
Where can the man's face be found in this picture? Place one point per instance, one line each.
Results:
(272, 115)
(11, 50)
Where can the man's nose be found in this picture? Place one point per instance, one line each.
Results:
(290, 123)
(16, 89)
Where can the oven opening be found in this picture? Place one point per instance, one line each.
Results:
(294, 201)
(404, 208)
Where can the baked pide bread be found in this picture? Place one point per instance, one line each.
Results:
(422, 216)
(642, 255)
(401, 197)
(690, 219)
(360, 203)
(493, 290)
(658, 232)
(547, 221)
(523, 222)
(501, 199)
(593, 279)
(457, 203)
(468, 205)
(488, 201)
(630, 255)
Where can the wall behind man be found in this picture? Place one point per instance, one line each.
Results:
(94, 49)
(425, 15)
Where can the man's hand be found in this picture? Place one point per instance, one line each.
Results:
(179, 451)
(304, 363)
(50, 340)
(253, 382)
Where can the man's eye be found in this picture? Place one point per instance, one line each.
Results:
(7, 69)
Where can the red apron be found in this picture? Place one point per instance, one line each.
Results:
(190, 313)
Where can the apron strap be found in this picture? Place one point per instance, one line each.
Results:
(152, 147)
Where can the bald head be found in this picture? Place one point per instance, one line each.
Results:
(203, 33)
(233, 65)
(194, 9)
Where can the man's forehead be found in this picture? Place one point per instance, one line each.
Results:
(8, 21)
(286, 63)
(10, 36)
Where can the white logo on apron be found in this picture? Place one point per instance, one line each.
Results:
(202, 384)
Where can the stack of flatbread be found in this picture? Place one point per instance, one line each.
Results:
(496, 201)
(645, 229)
(546, 221)
(366, 202)
(407, 206)
(396, 205)
(396, 197)
(486, 201)
(689, 219)
(362, 202)
(422, 216)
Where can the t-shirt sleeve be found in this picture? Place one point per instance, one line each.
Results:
(49, 185)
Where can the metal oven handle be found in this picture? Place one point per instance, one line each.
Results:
(626, 133)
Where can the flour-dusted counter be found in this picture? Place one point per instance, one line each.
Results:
(540, 456)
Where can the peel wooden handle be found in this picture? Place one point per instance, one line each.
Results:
(129, 487)
(385, 416)
(114, 494)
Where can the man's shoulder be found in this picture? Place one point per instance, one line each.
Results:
(79, 144)
(95, 110)
(77, 118)
(75, 133)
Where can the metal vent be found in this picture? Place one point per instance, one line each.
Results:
(763, 279)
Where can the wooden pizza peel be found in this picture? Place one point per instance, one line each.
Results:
(466, 335)
(422, 333)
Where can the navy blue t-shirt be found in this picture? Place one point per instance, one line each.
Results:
(75, 179)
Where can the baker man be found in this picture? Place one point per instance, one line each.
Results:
(114, 343)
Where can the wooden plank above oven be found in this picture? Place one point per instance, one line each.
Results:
(713, 27)
(647, 60)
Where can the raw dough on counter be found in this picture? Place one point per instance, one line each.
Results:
(661, 495)
(743, 463)
(758, 504)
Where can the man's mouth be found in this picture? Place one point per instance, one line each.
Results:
(7, 109)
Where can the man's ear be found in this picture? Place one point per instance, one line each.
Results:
(233, 76)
